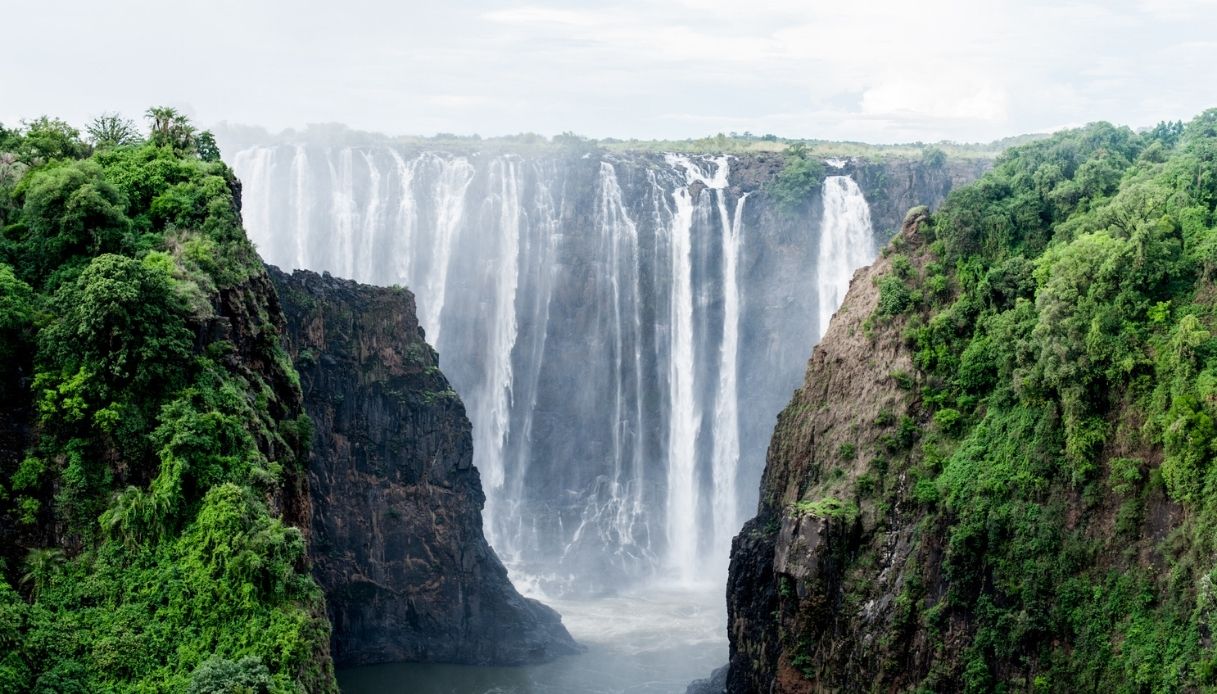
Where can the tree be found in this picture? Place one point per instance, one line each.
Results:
(16, 312)
(801, 175)
(47, 139)
(9, 138)
(206, 147)
(112, 130)
(11, 171)
(933, 158)
(121, 320)
(69, 211)
(170, 128)
(41, 565)
(218, 675)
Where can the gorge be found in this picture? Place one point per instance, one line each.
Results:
(995, 473)
(559, 347)
(622, 327)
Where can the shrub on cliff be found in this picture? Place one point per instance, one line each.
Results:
(161, 445)
(798, 179)
(1064, 326)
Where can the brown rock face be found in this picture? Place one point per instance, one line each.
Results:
(397, 541)
(788, 627)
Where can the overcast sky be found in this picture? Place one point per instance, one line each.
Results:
(877, 71)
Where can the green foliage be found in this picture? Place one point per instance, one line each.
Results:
(948, 419)
(895, 297)
(1065, 350)
(12, 170)
(122, 322)
(49, 139)
(70, 213)
(933, 158)
(112, 130)
(158, 442)
(828, 507)
(170, 128)
(220, 676)
(16, 314)
(799, 178)
(41, 565)
(206, 147)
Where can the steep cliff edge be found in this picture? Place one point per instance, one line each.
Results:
(153, 440)
(997, 475)
(397, 540)
(893, 186)
(786, 563)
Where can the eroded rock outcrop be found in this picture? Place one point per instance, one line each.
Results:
(396, 530)
(786, 618)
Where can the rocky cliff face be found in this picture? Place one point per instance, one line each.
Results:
(894, 186)
(793, 622)
(396, 528)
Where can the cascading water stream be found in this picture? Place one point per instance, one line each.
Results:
(726, 404)
(302, 204)
(406, 223)
(491, 408)
(342, 211)
(686, 537)
(455, 176)
(683, 412)
(847, 242)
(518, 534)
(371, 219)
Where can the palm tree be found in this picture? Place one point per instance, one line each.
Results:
(161, 119)
(126, 519)
(40, 567)
(170, 127)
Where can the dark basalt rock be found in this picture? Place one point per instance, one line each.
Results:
(396, 528)
(716, 683)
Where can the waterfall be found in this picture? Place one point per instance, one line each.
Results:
(726, 402)
(301, 202)
(258, 163)
(449, 200)
(846, 244)
(683, 410)
(687, 537)
(371, 219)
(516, 532)
(620, 239)
(343, 214)
(491, 403)
(621, 339)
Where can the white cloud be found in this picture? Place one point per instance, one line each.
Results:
(535, 16)
(941, 99)
(881, 70)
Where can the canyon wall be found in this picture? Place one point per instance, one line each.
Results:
(396, 529)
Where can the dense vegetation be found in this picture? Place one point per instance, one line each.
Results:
(1063, 316)
(147, 540)
(801, 174)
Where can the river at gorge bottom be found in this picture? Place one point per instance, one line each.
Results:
(654, 640)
